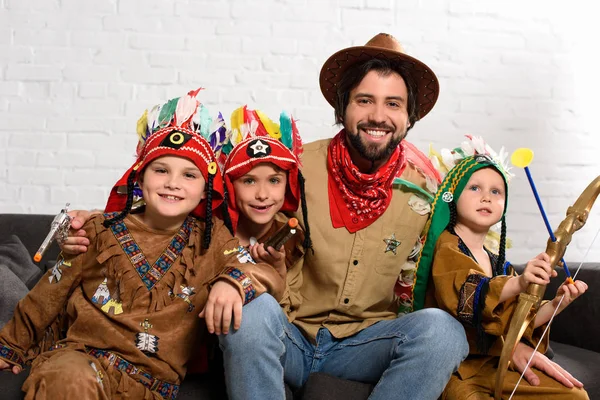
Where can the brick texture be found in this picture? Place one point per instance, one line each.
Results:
(76, 74)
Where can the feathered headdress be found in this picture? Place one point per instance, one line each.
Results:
(181, 127)
(457, 166)
(255, 139)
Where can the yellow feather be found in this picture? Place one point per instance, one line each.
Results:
(271, 127)
(237, 120)
(142, 126)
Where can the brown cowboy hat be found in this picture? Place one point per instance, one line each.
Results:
(383, 46)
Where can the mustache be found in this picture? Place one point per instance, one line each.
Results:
(375, 125)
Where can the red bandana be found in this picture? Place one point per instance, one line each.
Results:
(356, 200)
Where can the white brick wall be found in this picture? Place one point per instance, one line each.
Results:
(76, 74)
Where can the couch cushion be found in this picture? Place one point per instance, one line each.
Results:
(31, 229)
(11, 291)
(320, 386)
(14, 255)
(582, 364)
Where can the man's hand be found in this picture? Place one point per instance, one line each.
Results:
(4, 365)
(544, 364)
(77, 242)
(224, 300)
(275, 258)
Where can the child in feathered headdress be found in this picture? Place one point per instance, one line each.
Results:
(133, 299)
(459, 273)
(261, 170)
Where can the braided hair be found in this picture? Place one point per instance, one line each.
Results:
(225, 210)
(208, 220)
(130, 184)
(307, 240)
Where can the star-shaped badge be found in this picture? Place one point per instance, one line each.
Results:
(391, 244)
(259, 147)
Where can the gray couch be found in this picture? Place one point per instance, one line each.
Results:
(572, 334)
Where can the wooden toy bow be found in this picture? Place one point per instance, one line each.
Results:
(530, 300)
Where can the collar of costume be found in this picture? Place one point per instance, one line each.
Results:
(356, 199)
(449, 191)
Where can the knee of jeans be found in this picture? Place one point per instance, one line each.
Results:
(445, 332)
(261, 318)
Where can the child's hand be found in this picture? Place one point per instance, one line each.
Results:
(4, 365)
(571, 292)
(537, 271)
(224, 300)
(270, 256)
(77, 242)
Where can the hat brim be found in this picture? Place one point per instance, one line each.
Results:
(335, 66)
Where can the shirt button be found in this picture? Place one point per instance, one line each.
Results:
(346, 301)
(355, 262)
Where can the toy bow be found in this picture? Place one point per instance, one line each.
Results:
(530, 300)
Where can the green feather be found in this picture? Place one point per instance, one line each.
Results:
(285, 127)
(167, 112)
(205, 122)
(412, 186)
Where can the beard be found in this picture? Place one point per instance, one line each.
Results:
(374, 151)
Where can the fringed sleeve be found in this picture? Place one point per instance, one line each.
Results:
(237, 267)
(37, 317)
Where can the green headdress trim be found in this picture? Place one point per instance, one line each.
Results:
(449, 191)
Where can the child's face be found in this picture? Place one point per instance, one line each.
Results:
(259, 194)
(172, 187)
(481, 202)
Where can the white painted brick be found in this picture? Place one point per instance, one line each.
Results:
(34, 195)
(35, 176)
(263, 12)
(274, 46)
(78, 73)
(40, 141)
(8, 193)
(18, 72)
(264, 79)
(244, 28)
(149, 75)
(92, 90)
(118, 57)
(206, 45)
(173, 59)
(12, 208)
(91, 6)
(379, 4)
(17, 54)
(45, 37)
(6, 36)
(57, 55)
(9, 89)
(283, 63)
(90, 141)
(12, 123)
(22, 157)
(62, 91)
(305, 30)
(367, 17)
(76, 159)
(104, 177)
(188, 26)
(81, 22)
(204, 9)
(65, 194)
(29, 5)
(145, 41)
(99, 39)
(95, 195)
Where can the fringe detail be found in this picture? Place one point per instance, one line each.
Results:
(131, 288)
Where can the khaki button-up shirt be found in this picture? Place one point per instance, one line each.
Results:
(347, 283)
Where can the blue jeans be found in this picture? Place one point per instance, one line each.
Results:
(411, 357)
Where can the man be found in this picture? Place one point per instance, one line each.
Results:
(339, 316)
(341, 310)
